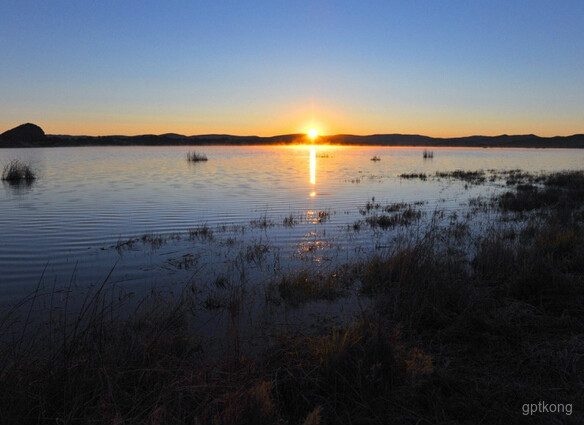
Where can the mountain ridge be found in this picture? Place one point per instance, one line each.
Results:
(31, 135)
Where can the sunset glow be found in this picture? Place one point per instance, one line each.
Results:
(313, 133)
(241, 69)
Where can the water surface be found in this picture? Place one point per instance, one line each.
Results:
(87, 201)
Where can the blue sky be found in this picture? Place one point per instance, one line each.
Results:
(441, 68)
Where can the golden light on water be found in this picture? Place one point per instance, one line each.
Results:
(312, 165)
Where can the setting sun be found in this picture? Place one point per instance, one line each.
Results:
(312, 133)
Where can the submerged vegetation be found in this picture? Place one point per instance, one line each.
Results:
(17, 172)
(194, 156)
(450, 335)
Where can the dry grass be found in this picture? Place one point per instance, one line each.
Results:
(17, 172)
(454, 336)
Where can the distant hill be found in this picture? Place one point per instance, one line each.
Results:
(31, 135)
(24, 135)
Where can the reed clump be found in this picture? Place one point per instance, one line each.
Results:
(301, 287)
(387, 221)
(18, 172)
(409, 176)
(475, 177)
(194, 156)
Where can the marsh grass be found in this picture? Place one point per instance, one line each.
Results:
(323, 216)
(194, 156)
(262, 222)
(450, 339)
(474, 177)
(17, 172)
(386, 221)
(562, 193)
(255, 252)
(298, 288)
(155, 241)
(409, 176)
(290, 221)
(203, 232)
(453, 336)
(428, 154)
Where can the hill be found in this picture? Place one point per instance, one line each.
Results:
(22, 136)
(31, 135)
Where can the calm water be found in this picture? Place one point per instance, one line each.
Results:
(88, 201)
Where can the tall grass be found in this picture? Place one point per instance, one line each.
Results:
(17, 172)
(194, 156)
(452, 336)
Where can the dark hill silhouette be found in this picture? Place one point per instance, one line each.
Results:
(23, 135)
(30, 135)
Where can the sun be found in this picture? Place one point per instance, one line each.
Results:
(312, 133)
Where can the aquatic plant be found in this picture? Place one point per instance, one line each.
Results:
(155, 241)
(202, 232)
(375, 158)
(17, 172)
(256, 251)
(323, 216)
(475, 177)
(194, 156)
(421, 176)
(385, 221)
(304, 286)
(263, 222)
(290, 221)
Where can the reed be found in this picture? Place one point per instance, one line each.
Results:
(17, 172)
(409, 176)
(194, 156)
(203, 232)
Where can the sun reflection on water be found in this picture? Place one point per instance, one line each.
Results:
(312, 166)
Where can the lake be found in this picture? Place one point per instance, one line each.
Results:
(144, 217)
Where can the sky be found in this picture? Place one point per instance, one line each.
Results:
(438, 68)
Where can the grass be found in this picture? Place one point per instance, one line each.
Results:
(453, 335)
(298, 288)
(428, 154)
(263, 222)
(408, 176)
(290, 221)
(17, 172)
(386, 221)
(203, 232)
(476, 177)
(194, 156)
(375, 158)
